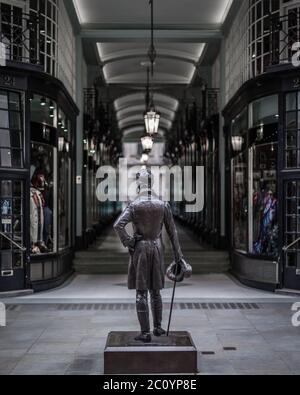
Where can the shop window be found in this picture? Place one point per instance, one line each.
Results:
(264, 111)
(64, 180)
(240, 202)
(46, 11)
(292, 222)
(264, 200)
(254, 179)
(43, 192)
(42, 204)
(11, 220)
(240, 124)
(43, 110)
(11, 130)
(292, 130)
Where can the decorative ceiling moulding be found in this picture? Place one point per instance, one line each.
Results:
(138, 120)
(132, 110)
(96, 13)
(137, 130)
(167, 71)
(109, 52)
(139, 98)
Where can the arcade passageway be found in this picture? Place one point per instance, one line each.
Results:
(206, 92)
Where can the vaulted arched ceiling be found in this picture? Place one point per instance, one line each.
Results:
(116, 37)
(130, 109)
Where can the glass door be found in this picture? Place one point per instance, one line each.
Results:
(291, 234)
(12, 251)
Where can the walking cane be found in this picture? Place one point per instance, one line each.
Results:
(172, 301)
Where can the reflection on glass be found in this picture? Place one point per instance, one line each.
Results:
(43, 110)
(240, 202)
(4, 138)
(292, 222)
(5, 157)
(292, 130)
(4, 119)
(11, 223)
(41, 199)
(64, 174)
(3, 100)
(10, 130)
(265, 111)
(265, 204)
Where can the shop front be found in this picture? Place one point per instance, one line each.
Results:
(37, 134)
(262, 131)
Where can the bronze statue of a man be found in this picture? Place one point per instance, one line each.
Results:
(146, 271)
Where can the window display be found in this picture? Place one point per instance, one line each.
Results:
(265, 203)
(41, 199)
(240, 202)
(64, 180)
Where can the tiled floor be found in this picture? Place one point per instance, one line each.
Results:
(64, 331)
(95, 288)
(45, 337)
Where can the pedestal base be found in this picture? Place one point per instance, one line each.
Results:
(173, 354)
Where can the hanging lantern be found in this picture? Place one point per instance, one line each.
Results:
(147, 143)
(144, 158)
(205, 145)
(61, 144)
(260, 133)
(152, 121)
(92, 147)
(237, 143)
(85, 145)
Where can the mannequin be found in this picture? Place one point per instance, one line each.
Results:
(37, 204)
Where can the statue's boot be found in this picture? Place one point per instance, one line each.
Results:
(142, 310)
(156, 307)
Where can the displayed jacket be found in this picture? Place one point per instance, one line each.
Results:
(36, 215)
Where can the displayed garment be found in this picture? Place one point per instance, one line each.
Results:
(36, 216)
(5, 215)
(268, 230)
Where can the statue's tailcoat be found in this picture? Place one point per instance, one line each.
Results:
(148, 215)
